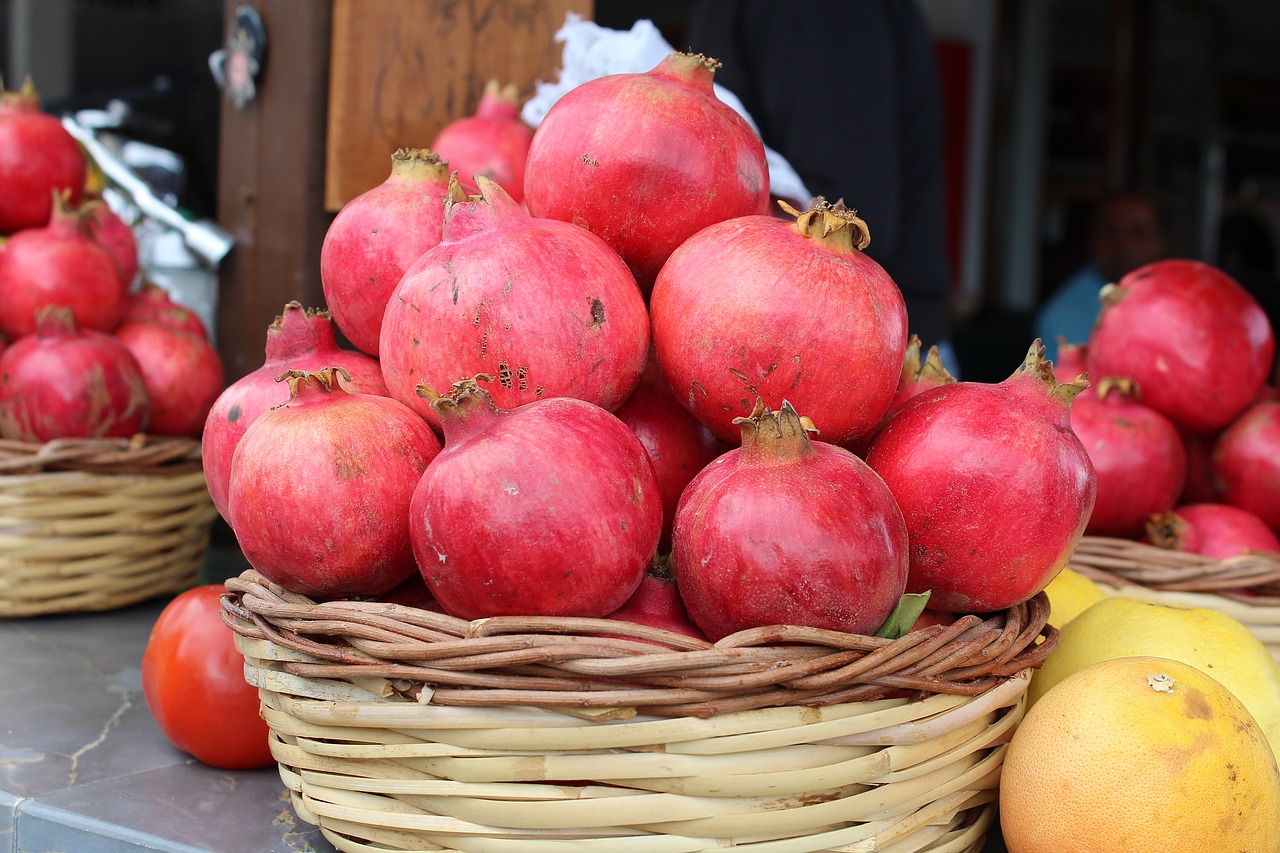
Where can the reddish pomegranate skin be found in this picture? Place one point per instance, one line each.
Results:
(58, 264)
(798, 312)
(995, 487)
(376, 237)
(1196, 342)
(1199, 486)
(788, 531)
(548, 509)
(298, 339)
(494, 142)
(1213, 530)
(65, 382)
(678, 445)
(183, 374)
(657, 603)
(320, 489)
(544, 305)
(1137, 455)
(646, 160)
(1246, 463)
(111, 232)
(37, 158)
(151, 304)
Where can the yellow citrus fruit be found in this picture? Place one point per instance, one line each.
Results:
(1140, 754)
(1070, 593)
(1206, 639)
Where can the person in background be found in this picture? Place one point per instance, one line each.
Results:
(1127, 233)
(849, 94)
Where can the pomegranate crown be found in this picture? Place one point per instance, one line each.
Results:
(325, 377)
(1039, 369)
(461, 394)
(777, 434)
(832, 223)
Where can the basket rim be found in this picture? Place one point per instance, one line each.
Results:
(577, 663)
(140, 454)
(1252, 576)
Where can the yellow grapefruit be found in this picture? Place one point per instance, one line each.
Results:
(1140, 754)
(1070, 594)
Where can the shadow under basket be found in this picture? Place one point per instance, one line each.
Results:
(397, 728)
(1246, 588)
(99, 524)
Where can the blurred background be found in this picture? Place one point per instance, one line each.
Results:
(1050, 108)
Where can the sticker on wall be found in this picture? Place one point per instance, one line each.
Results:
(238, 65)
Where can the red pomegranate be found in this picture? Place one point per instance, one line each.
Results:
(1197, 343)
(38, 159)
(376, 237)
(919, 376)
(646, 160)
(797, 312)
(545, 305)
(66, 382)
(1073, 359)
(657, 604)
(111, 232)
(1214, 530)
(183, 374)
(995, 487)
(151, 304)
(551, 508)
(1246, 463)
(320, 489)
(298, 339)
(1137, 455)
(494, 142)
(59, 264)
(679, 446)
(788, 531)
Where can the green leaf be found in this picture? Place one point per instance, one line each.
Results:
(904, 615)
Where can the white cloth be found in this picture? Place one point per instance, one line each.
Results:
(592, 51)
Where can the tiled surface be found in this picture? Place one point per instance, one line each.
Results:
(84, 769)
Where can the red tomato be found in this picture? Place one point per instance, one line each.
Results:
(193, 680)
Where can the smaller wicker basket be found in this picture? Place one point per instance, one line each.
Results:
(98, 524)
(397, 728)
(1246, 587)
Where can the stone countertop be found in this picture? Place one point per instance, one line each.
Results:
(85, 769)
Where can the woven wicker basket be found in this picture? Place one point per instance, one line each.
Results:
(97, 524)
(404, 729)
(1247, 587)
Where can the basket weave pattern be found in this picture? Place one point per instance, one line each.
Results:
(97, 524)
(1246, 588)
(405, 729)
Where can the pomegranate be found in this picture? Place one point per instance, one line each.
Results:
(785, 530)
(59, 264)
(111, 232)
(679, 446)
(376, 237)
(183, 374)
(1198, 343)
(151, 304)
(298, 339)
(1073, 360)
(551, 508)
(1214, 530)
(38, 158)
(320, 488)
(995, 486)
(545, 305)
(1199, 486)
(1246, 463)
(66, 382)
(657, 603)
(797, 311)
(1137, 455)
(917, 376)
(494, 142)
(646, 160)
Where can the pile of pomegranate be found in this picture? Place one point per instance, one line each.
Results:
(599, 377)
(88, 355)
(1182, 425)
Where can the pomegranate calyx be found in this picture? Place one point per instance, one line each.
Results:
(783, 434)
(1166, 530)
(499, 101)
(931, 371)
(325, 379)
(1123, 387)
(1037, 368)
(465, 396)
(418, 163)
(691, 68)
(299, 330)
(1111, 294)
(24, 98)
(833, 225)
(55, 321)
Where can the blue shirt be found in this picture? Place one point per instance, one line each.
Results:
(1071, 311)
